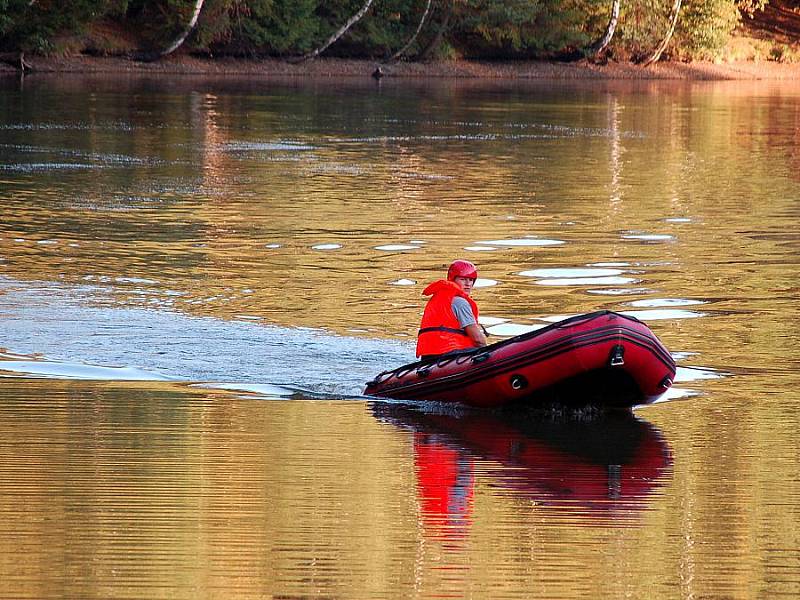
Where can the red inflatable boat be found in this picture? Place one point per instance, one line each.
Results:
(599, 359)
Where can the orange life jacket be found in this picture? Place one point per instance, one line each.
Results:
(440, 331)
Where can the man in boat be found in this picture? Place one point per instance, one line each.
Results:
(450, 321)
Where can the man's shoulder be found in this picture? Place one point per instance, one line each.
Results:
(461, 302)
(463, 311)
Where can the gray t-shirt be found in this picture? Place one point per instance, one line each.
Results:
(463, 311)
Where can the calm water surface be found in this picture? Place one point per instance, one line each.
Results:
(197, 277)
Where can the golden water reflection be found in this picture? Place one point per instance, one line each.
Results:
(156, 490)
(271, 202)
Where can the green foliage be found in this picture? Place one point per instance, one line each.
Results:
(704, 28)
(272, 27)
(498, 22)
(387, 27)
(159, 21)
(34, 26)
(702, 31)
(470, 28)
(642, 25)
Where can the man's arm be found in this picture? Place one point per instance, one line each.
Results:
(476, 334)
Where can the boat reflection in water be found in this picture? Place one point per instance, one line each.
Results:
(604, 465)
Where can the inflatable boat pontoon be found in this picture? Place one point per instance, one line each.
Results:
(602, 359)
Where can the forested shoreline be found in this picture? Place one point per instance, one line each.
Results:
(386, 31)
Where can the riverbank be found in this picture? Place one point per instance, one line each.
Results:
(333, 67)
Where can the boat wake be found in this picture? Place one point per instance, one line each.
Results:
(51, 330)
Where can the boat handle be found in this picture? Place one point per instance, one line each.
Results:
(617, 356)
(479, 358)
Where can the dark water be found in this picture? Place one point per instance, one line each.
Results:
(197, 277)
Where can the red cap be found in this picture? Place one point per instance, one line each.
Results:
(462, 268)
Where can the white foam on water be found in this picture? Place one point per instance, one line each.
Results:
(272, 246)
(134, 280)
(403, 282)
(512, 329)
(522, 242)
(664, 302)
(556, 318)
(482, 283)
(571, 273)
(488, 321)
(83, 340)
(261, 389)
(674, 393)
(662, 314)
(396, 247)
(687, 374)
(264, 146)
(619, 291)
(67, 370)
(610, 264)
(326, 247)
(678, 220)
(479, 248)
(648, 237)
(566, 281)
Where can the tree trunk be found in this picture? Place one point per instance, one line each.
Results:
(600, 45)
(434, 43)
(342, 30)
(403, 50)
(663, 45)
(198, 5)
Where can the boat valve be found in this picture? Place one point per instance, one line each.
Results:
(617, 356)
(518, 382)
